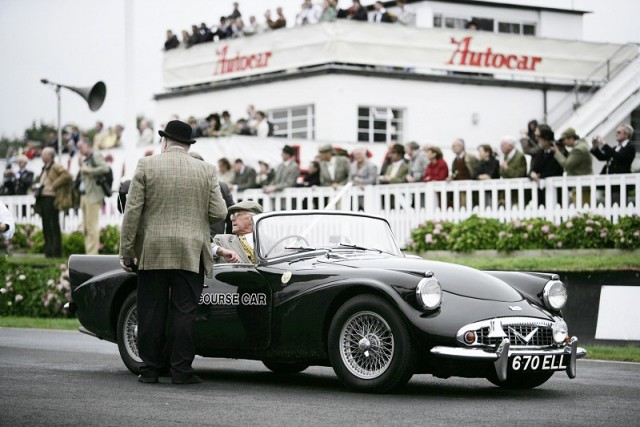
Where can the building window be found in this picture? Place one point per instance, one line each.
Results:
(460, 23)
(380, 124)
(293, 122)
(484, 24)
(517, 28)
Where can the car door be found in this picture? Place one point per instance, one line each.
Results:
(234, 311)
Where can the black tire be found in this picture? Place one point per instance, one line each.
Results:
(520, 380)
(285, 367)
(127, 334)
(382, 359)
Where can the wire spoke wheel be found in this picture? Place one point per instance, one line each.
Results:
(131, 333)
(127, 334)
(366, 345)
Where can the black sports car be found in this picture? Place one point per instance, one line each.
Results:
(333, 289)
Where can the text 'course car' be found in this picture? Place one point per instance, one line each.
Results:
(332, 288)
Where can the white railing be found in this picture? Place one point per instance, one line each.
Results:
(407, 205)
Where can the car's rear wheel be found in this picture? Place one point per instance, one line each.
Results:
(370, 347)
(521, 380)
(128, 334)
(285, 367)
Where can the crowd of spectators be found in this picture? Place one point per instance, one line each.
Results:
(311, 12)
(215, 125)
(411, 163)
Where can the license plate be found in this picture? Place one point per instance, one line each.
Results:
(546, 362)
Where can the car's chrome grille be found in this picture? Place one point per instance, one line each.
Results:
(521, 332)
(541, 338)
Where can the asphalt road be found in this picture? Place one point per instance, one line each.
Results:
(64, 377)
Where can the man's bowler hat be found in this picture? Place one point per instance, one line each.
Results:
(177, 131)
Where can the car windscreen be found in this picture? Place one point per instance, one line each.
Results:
(281, 235)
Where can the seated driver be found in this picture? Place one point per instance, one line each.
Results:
(239, 246)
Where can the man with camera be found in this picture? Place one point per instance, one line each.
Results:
(578, 161)
(618, 159)
(92, 167)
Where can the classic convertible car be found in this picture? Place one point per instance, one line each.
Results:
(332, 288)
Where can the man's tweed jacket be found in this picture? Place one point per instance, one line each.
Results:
(172, 201)
(232, 242)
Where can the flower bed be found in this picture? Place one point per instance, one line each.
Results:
(584, 231)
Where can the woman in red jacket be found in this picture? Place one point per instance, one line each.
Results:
(437, 169)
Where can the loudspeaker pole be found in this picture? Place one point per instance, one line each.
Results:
(59, 124)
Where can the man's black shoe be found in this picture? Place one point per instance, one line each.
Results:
(148, 377)
(191, 379)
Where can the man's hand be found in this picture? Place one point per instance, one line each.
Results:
(534, 176)
(229, 255)
(269, 189)
(127, 267)
(84, 169)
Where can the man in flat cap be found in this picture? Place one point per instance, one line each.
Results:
(239, 246)
(172, 200)
(578, 162)
(287, 172)
(334, 170)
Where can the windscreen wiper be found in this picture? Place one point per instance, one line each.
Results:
(301, 248)
(359, 248)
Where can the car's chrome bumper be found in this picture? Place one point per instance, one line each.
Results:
(501, 354)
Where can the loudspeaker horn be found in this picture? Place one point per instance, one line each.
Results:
(94, 95)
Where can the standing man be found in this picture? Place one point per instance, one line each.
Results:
(92, 167)
(287, 172)
(23, 178)
(334, 170)
(464, 165)
(245, 176)
(620, 158)
(513, 165)
(397, 171)
(578, 161)
(165, 234)
(52, 196)
(418, 161)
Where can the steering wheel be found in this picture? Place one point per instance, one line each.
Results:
(297, 236)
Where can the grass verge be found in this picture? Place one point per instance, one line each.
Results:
(38, 323)
(556, 263)
(627, 353)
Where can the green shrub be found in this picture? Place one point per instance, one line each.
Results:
(32, 291)
(583, 231)
(475, 233)
(586, 231)
(627, 233)
(110, 240)
(534, 233)
(72, 244)
(431, 236)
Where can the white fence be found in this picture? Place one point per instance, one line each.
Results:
(407, 205)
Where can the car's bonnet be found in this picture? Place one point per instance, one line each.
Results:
(454, 278)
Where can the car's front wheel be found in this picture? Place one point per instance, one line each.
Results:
(521, 380)
(369, 345)
(128, 334)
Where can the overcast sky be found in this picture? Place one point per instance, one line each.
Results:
(79, 42)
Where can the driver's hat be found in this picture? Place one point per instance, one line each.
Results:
(246, 205)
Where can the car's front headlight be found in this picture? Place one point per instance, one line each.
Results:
(554, 295)
(429, 292)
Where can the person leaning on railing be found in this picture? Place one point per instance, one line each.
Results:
(620, 158)
(578, 160)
